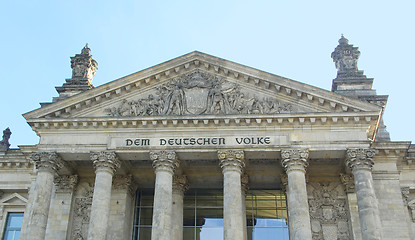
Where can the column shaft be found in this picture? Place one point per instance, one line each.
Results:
(295, 162)
(40, 210)
(48, 164)
(105, 164)
(360, 161)
(164, 163)
(244, 188)
(232, 163)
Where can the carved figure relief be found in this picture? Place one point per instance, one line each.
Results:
(199, 93)
(82, 211)
(327, 203)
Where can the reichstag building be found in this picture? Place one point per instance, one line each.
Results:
(202, 148)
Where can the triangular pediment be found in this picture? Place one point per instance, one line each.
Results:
(198, 84)
(14, 199)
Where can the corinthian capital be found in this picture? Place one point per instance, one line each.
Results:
(231, 160)
(106, 161)
(294, 159)
(360, 158)
(164, 161)
(47, 161)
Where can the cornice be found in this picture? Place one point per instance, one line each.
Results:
(197, 60)
(314, 119)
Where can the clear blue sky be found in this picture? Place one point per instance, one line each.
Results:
(293, 39)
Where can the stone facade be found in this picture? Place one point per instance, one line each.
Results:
(198, 122)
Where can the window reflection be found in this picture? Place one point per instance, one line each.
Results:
(266, 215)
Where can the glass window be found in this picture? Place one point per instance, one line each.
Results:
(13, 226)
(266, 215)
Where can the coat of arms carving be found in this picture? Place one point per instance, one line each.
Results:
(199, 93)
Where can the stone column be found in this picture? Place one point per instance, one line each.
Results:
(295, 162)
(47, 163)
(164, 164)
(232, 164)
(105, 164)
(360, 161)
(180, 186)
(244, 191)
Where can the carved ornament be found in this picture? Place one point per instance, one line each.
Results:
(360, 159)
(294, 159)
(164, 161)
(232, 160)
(47, 161)
(328, 214)
(82, 212)
(105, 161)
(66, 183)
(348, 182)
(199, 93)
(180, 183)
(122, 182)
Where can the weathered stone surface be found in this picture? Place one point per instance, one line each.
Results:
(232, 163)
(164, 164)
(105, 163)
(360, 161)
(47, 163)
(295, 162)
(180, 186)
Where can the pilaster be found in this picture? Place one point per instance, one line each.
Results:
(180, 186)
(59, 215)
(122, 201)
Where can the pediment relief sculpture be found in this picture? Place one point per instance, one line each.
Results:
(199, 93)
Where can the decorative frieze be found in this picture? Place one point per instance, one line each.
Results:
(232, 160)
(66, 183)
(105, 161)
(359, 158)
(47, 161)
(294, 159)
(164, 160)
(199, 93)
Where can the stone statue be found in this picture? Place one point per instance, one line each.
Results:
(345, 56)
(198, 93)
(4, 144)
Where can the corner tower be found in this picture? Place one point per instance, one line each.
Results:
(351, 81)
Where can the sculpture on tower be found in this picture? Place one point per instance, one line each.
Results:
(83, 71)
(345, 57)
(4, 144)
